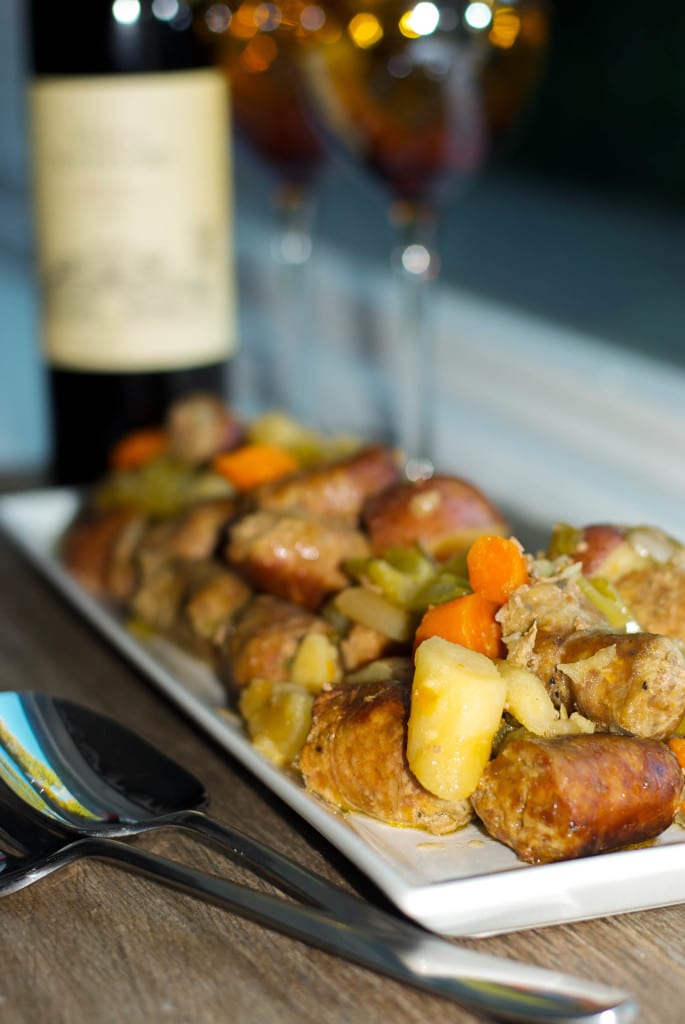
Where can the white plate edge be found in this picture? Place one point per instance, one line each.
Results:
(485, 904)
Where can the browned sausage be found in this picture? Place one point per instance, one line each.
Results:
(193, 603)
(337, 490)
(556, 799)
(200, 426)
(99, 547)
(624, 682)
(192, 534)
(354, 758)
(655, 595)
(265, 639)
(443, 514)
(294, 556)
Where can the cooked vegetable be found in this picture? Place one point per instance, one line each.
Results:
(496, 566)
(316, 664)
(138, 448)
(374, 610)
(253, 464)
(468, 620)
(161, 487)
(607, 599)
(456, 707)
(529, 702)
(400, 573)
(308, 446)
(278, 718)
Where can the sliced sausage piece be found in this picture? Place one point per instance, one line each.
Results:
(192, 603)
(98, 550)
(625, 682)
(200, 426)
(655, 595)
(293, 556)
(338, 489)
(443, 514)
(214, 599)
(355, 759)
(265, 639)
(571, 796)
(192, 534)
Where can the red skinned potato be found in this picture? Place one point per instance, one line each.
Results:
(603, 549)
(443, 514)
(597, 550)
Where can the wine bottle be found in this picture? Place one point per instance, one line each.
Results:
(130, 137)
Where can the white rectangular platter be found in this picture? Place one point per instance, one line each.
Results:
(464, 884)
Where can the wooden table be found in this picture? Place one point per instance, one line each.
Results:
(95, 944)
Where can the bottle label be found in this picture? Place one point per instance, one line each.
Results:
(133, 220)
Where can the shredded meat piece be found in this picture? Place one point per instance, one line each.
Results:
(537, 618)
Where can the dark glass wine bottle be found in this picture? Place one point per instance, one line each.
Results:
(132, 183)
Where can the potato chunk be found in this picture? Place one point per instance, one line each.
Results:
(316, 664)
(529, 702)
(456, 708)
(278, 717)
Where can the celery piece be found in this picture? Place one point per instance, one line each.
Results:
(604, 596)
(443, 587)
(564, 540)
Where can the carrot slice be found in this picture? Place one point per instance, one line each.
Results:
(496, 567)
(254, 464)
(138, 448)
(468, 620)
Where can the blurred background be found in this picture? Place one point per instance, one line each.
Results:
(574, 235)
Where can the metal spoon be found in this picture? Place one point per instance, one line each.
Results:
(35, 838)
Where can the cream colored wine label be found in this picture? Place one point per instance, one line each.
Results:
(133, 220)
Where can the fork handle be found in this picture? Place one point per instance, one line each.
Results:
(284, 872)
(502, 989)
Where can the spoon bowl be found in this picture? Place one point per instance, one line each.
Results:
(91, 771)
(69, 778)
(83, 774)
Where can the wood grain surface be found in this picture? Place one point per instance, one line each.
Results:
(95, 944)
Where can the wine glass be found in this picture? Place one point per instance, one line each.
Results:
(416, 93)
(254, 43)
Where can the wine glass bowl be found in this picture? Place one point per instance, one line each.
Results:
(417, 94)
(255, 44)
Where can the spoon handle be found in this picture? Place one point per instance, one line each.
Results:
(502, 989)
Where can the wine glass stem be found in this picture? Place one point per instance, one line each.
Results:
(415, 262)
(293, 347)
